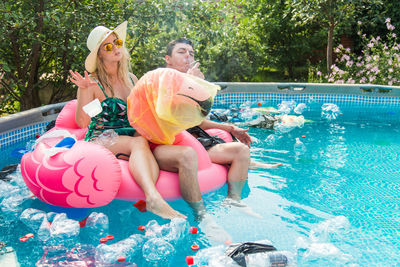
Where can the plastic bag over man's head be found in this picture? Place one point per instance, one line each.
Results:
(165, 102)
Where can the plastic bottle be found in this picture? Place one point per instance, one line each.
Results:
(275, 258)
(299, 147)
(265, 259)
(127, 249)
(205, 256)
(329, 111)
(299, 109)
(157, 252)
(96, 228)
(176, 231)
(216, 260)
(32, 218)
(220, 256)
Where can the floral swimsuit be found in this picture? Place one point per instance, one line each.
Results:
(113, 117)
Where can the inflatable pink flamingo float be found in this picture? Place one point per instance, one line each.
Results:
(87, 175)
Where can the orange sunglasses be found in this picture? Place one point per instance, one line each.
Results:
(109, 46)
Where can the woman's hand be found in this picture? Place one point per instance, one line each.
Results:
(241, 135)
(81, 82)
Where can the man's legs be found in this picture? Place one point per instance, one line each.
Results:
(238, 156)
(183, 160)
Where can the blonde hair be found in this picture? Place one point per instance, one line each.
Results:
(124, 68)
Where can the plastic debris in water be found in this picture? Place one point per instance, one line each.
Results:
(299, 148)
(329, 111)
(106, 138)
(299, 109)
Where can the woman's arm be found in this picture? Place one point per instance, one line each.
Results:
(85, 95)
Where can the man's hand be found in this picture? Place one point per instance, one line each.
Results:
(241, 135)
(195, 71)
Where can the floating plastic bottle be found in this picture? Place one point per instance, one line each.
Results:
(126, 249)
(299, 148)
(329, 111)
(63, 230)
(80, 255)
(271, 139)
(97, 224)
(221, 256)
(12, 206)
(33, 218)
(265, 259)
(205, 256)
(175, 231)
(286, 106)
(157, 252)
(299, 109)
(107, 138)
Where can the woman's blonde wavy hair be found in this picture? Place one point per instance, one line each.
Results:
(124, 68)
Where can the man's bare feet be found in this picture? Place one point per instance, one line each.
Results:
(214, 232)
(229, 202)
(256, 165)
(160, 207)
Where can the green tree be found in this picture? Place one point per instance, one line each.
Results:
(285, 44)
(41, 43)
(219, 30)
(328, 14)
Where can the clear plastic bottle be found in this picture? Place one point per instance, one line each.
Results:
(299, 148)
(124, 251)
(299, 109)
(275, 258)
(204, 256)
(157, 252)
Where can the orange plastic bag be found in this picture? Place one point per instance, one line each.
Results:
(165, 102)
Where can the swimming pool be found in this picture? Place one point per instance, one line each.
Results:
(334, 203)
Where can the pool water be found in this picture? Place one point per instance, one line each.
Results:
(335, 202)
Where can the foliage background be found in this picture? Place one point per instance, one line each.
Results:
(235, 40)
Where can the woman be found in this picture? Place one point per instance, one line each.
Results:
(111, 82)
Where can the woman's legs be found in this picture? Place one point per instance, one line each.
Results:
(144, 169)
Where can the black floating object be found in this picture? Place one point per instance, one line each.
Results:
(6, 171)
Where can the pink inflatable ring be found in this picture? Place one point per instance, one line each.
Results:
(88, 175)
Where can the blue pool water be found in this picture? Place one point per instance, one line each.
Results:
(335, 203)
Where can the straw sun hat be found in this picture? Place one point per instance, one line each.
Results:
(96, 37)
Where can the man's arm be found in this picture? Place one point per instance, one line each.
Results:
(239, 133)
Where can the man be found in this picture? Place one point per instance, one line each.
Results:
(180, 56)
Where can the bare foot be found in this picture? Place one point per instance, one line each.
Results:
(229, 202)
(158, 206)
(214, 232)
(256, 165)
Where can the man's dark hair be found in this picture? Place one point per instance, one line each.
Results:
(172, 44)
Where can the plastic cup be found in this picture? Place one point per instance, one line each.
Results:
(93, 108)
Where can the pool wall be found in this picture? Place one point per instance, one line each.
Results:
(342, 94)
(25, 125)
